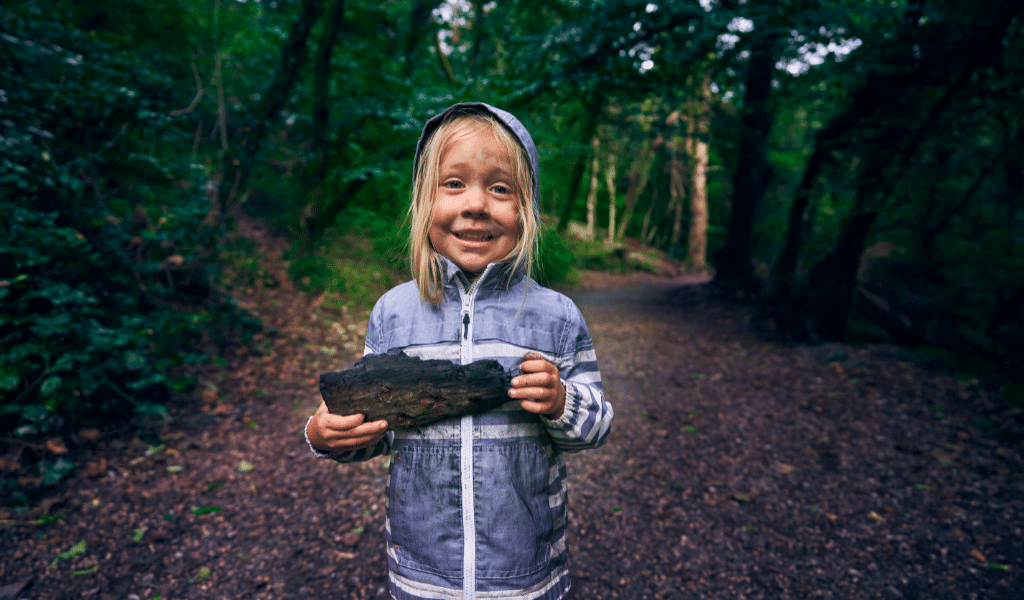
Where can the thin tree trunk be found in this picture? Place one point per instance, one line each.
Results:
(697, 147)
(696, 255)
(419, 31)
(590, 120)
(677, 195)
(750, 179)
(476, 57)
(592, 195)
(609, 179)
(293, 53)
(831, 281)
(645, 228)
(639, 174)
(785, 269)
(1006, 309)
(311, 221)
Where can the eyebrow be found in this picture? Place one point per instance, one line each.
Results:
(462, 165)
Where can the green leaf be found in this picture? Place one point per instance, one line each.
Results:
(204, 510)
(203, 572)
(133, 360)
(138, 534)
(71, 552)
(50, 384)
(90, 571)
(57, 470)
(245, 466)
(8, 382)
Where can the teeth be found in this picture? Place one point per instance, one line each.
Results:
(474, 237)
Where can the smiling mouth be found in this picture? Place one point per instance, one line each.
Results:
(470, 236)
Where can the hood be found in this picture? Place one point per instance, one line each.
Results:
(513, 125)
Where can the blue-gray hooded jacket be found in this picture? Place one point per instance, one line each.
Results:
(476, 506)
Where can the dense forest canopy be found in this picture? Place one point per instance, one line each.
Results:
(855, 167)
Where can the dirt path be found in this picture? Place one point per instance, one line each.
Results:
(736, 469)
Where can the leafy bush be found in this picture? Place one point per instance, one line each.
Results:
(361, 256)
(107, 250)
(556, 259)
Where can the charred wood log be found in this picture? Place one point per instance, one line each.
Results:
(410, 393)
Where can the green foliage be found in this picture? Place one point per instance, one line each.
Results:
(109, 258)
(557, 260)
(360, 257)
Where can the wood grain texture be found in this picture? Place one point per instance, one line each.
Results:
(410, 393)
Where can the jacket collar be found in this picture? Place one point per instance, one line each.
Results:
(496, 275)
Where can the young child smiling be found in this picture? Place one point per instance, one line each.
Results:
(477, 505)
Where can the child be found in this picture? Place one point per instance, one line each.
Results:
(476, 506)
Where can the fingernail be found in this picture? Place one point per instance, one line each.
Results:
(512, 393)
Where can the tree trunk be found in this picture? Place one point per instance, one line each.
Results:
(699, 127)
(312, 222)
(645, 229)
(419, 32)
(590, 120)
(639, 173)
(677, 197)
(834, 278)
(785, 270)
(592, 194)
(750, 179)
(609, 179)
(696, 254)
(476, 56)
(293, 52)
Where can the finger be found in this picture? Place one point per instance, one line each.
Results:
(364, 441)
(352, 425)
(544, 379)
(342, 421)
(536, 366)
(539, 408)
(534, 394)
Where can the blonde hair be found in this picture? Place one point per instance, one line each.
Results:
(424, 260)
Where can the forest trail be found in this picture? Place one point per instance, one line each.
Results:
(735, 469)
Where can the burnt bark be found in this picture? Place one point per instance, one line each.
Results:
(410, 393)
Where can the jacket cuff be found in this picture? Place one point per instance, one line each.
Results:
(569, 411)
(317, 452)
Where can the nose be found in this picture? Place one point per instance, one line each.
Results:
(474, 203)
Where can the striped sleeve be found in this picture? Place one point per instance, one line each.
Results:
(587, 418)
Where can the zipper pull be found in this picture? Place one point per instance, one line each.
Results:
(465, 325)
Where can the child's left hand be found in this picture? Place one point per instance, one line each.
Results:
(539, 389)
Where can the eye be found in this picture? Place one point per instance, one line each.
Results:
(501, 189)
(453, 184)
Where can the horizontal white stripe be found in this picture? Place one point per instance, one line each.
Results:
(424, 590)
(437, 431)
(590, 378)
(511, 430)
(446, 352)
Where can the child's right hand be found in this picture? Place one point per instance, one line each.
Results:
(337, 433)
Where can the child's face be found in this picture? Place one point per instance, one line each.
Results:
(476, 220)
